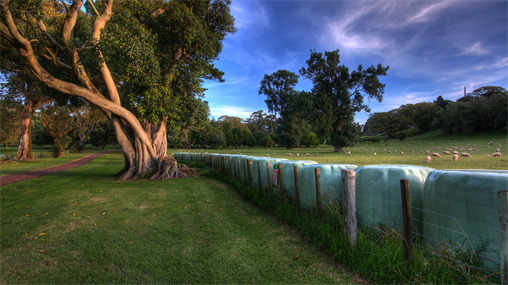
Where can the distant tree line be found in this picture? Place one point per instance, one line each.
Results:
(485, 108)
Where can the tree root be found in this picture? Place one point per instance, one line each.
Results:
(168, 169)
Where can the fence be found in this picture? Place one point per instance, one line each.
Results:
(454, 207)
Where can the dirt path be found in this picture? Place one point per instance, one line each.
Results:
(9, 179)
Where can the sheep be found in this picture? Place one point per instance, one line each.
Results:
(267, 155)
(428, 159)
(427, 151)
(455, 157)
(498, 150)
(348, 152)
(297, 154)
(308, 154)
(317, 154)
(402, 153)
(435, 154)
(455, 152)
(465, 154)
(446, 152)
(375, 154)
(496, 154)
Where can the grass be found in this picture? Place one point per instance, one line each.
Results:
(81, 226)
(363, 153)
(379, 255)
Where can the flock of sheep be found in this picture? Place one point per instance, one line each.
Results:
(455, 154)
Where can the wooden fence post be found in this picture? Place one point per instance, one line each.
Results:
(281, 184)
(259, 175)
(297, 191)
(270, 182)
(406, 218)
(349, 205)
(249, 172)
(502, 207)
(317, 174)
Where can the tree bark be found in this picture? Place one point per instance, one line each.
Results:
(160, 140)
(336, 148)
(25, 138)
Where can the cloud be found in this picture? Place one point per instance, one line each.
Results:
(425, 13)
(475, 49)
(234, 111)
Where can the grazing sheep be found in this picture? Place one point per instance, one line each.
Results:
(446, 152)
(435, 154)
(455, 157)
(267, 155)
(428, 159)
(348, 152)
(297, 154)
(402, 152)
(308, 154)
(496, 154)
(374, 153)
(317, 154)
(427, 152)
(455, 152)
(465, 154)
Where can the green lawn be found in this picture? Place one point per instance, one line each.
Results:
(81, 226)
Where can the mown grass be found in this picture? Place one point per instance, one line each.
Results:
(17, 166)
(81, 226)
(389, 152)
(378, 255)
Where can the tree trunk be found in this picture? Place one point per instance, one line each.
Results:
(167, 169)
(337, 148)
(160, 140)
(25, 138)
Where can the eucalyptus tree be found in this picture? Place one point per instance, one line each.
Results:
(338, 93)
(125, 59)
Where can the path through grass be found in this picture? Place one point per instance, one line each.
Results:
(81, 226)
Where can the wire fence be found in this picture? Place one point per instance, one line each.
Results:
(452, 211)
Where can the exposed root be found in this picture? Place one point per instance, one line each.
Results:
(168, 169)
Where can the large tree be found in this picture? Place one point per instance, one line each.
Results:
(338, 93)
(127, 69)
(284, 100)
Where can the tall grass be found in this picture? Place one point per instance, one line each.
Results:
(379, 255)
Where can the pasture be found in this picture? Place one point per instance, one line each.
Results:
(389, 152)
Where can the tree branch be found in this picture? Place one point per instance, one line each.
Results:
(42, 27)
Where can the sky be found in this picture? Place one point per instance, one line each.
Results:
(433, 48)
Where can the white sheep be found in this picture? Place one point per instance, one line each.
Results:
(428, 159)
(402, 152)
(348, 152)
(465, 154)
(308, 154)
(374, 153)
(446, 152)
(455, 157)
(455, 152)
(496, 154)
(435, 154)
(267, 155)
(317, 154)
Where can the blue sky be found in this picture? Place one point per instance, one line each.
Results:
(432, 47)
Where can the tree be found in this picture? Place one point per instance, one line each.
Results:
(9, 132)
(57, 120)
(128, 68)
(84, 120)
(284, 100)
(339, 93)
(102, 135)
(310, 139)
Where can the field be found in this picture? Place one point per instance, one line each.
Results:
(388, 152)
(81, 226)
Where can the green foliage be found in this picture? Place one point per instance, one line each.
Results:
(268, 141)
(251, 141)
(102, 136)
(10, 122)
(347, 135)
(310, 139)
(338, 93)
(60, 145)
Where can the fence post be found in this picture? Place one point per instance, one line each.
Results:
(259, 175)
(249, 172)
(297, 191)
(281, 184)
(317, 174)
(502, 207)
(238, 165)
(349, 205)
(270, 182)
(406, 218)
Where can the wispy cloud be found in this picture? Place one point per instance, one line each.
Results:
(426, 12)
(475, 49)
